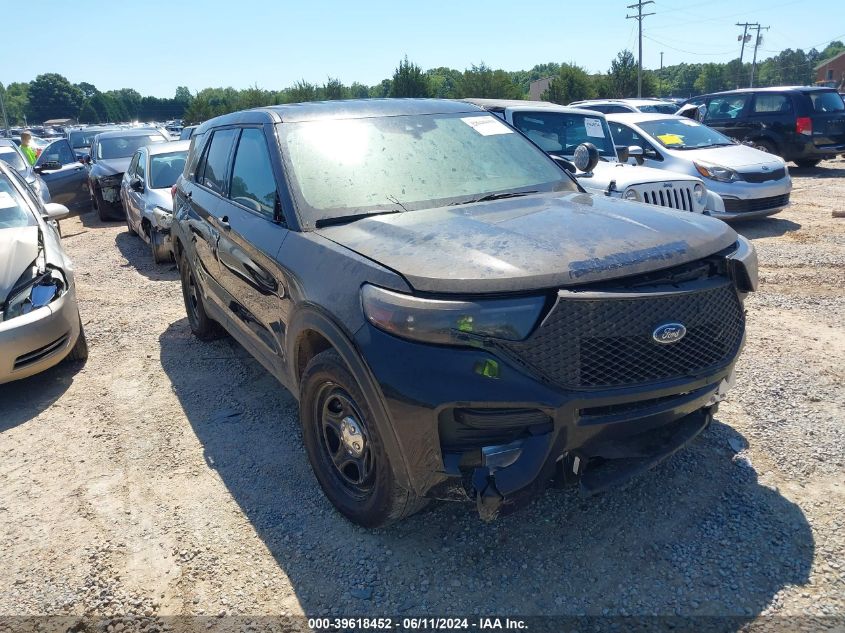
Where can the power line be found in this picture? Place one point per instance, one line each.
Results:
(757, 41)
(639, 18)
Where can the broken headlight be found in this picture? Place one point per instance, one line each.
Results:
(450, 322)
(34, 290)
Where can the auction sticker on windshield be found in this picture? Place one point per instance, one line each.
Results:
(670, 139)
(487, 125)
(594, 128)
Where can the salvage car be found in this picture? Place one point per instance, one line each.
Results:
(110, 155)
(743, 182)
(39, 318)
(11, 154)
(145, 192)
(582, 138)
(457, 317)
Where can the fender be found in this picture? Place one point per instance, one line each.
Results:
(311, 317)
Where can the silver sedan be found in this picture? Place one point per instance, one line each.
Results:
(742, 182)
(145, 193)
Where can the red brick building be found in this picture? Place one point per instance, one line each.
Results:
(831, 71)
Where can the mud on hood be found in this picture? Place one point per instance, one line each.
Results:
(540, 241)
(18, 249)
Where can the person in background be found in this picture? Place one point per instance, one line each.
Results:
(27, 150)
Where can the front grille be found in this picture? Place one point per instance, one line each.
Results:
(756, 204)
(604, 339)
(675, 197)
(764, 176)
(42, 352)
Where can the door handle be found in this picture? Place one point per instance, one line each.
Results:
(224, 222)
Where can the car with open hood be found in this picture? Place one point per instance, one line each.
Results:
(39, 318)
(146, 194)
(743, 182)
(111, 153)
(457, 317)
(583, 140)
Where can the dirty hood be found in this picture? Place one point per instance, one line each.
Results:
(539, 241)
(18, 249)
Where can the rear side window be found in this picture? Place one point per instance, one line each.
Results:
(253, 183)
(194, 165)
(827, 101)
(725, 107)
(213, 175)
(772, 104)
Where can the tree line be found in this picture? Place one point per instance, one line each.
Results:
(51, 96)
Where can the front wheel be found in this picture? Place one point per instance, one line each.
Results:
(79, 351)
(158, 248)
(203, 326)
(345, 448)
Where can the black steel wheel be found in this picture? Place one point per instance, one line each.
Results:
(204, 327)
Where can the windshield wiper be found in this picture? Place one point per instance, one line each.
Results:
(345, 219)
(495, 196)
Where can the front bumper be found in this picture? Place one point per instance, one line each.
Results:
(721, 197)
(564, 434)
(109, 196)
(34, 342)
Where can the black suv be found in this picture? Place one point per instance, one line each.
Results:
(801, 124)
(458, 319)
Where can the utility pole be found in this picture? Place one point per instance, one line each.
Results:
(745, 37)
(757, 41)
(639, 18)
(3, 106)
(660, 79)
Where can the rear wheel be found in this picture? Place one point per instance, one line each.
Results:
(203, 326)
(79, 351)
(345, 448)
(807, 163)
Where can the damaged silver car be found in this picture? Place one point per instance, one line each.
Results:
(39, 317)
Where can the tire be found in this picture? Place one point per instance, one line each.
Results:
(79, 351)
(766, 146)
(129, 228)
(101, 206)
(808, 163)
(203, 326)
(160, 252)
(362, 487)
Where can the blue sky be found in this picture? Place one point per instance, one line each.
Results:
(156, 45)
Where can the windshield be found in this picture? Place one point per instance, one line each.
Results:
(165, 169)
(560, 133)
(683, 133)
(82, 138)
(125, 146)
(13, 210)
(827, 101)
(659, 108)
(10, 156)
(344, 167)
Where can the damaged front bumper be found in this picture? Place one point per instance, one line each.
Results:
(499, 438)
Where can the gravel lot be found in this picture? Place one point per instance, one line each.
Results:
(167, 476)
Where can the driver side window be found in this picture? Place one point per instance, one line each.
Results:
(623, 135)
(133, 165)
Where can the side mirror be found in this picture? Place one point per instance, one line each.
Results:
(563, 163)
(48, 165)
(136, 184)
(636, 152)
(86, 159)
(622, 153)
(55, 211)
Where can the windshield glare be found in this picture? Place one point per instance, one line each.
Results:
(165, 169)
(12, 158)
(683, 133)
(560, 133)
(343, 167)
(13, 210)
(124, 146)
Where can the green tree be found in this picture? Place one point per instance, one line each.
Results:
(16, 96)
(183, 96)
(485, 83)
(409, 81)
(444, 83)
(87, 90)
(381, 89)
(87, 114)
(333, 89)
(622, 76)
(710, 79)
(359, 90)
(301, 92)
(571, 83)
(51, 96)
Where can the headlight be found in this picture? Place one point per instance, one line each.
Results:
(34, 293)
(163, 217)
(716, 172)
(631, 194)
(743, 265)
(450, 322)
(699, 192)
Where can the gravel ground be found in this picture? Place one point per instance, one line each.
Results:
(166, 477)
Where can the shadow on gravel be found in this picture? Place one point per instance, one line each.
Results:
(695, 536)
(765, 227)
(137, 253)
(22, 400)
(822, 171)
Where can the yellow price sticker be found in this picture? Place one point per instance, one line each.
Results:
(671, 139)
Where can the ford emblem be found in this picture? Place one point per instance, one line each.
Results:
(669, 333)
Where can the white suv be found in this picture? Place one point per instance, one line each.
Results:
(618, 106)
